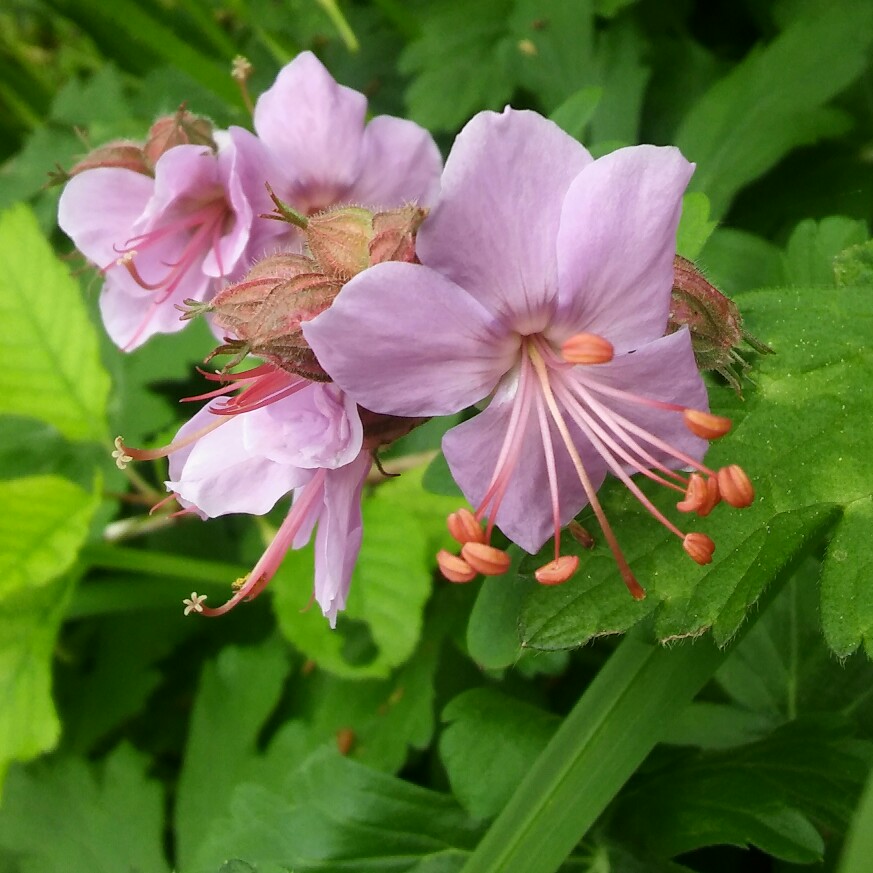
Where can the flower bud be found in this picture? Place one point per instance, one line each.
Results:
(714, 321)
(339, 240)
(181, 128)
(394, 234)
(121, 153)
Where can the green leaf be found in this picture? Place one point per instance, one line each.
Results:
(491, 733)
(736, 261)
(695, 228)
(773, 101)
(66, 815)
(765, 794)
(813, 245)
(796, 435)
(858, 848)
(404, 527)
(854, 266)
(335, 814)
(53, 371)
(575, 112)
(44, 523)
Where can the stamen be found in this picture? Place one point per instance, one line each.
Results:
(122, 459)
(580, 535)
(153, 454)
(454, 568)
(464, 527)
(484, 559)
(587, 348)
(558, 571)
(194, 603)
(735, 486)
(702, 495)
(706, 425)
(699, 547)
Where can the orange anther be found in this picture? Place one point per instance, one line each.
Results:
(735, 487)
(485, 559)
(558, 571)
(455, 569)
(699, 547)
(701, 496)
(706, 425)
(464, 527)
(587, 348)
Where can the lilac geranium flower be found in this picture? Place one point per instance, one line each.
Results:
(317, 131)
(544, 285)
(282, 435)
(159, 240)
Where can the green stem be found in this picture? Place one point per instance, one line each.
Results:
(339, 22)
(608, 734)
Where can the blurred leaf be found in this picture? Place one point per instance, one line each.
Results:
(44, 523)
(54, 371)
(404, 527)
(763, 794)
(458, 70)
(854, 266)
(489, 745)
(736, 261)
(815, 384)
(813, 245)
(695, 228)
(773, 101)
(575, 112)
(102, 819)
(335, 814)
(858, 848)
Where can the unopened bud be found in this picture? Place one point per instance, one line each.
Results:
(558, 571)
(339, 240)
(394, 234)
(486, 560)
(454, 569)
(181, 128)
(122, 154)
(587, 348)
(735, 486)
(706, 425)
(464, 527)
(714, 321)
(699, 547)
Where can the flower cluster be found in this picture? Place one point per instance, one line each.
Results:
(377, 289)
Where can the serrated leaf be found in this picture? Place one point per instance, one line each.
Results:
(791, 435)
(336, 814)
(767, 793)
(489, 745)
(773, 101)
(53, 371)
(43, 524)
(813, 245)
(403, 529)
(66, 815)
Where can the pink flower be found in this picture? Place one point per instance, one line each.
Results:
(175, 236)
(544, 284)
(281, 435)
(328, 154)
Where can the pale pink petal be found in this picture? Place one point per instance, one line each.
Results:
(431, 349)
(340, 529)
(400, 163)
(616, 245)
(314, 128)
(525, 514)
(98, 208)
(662, 370)
(494, 228)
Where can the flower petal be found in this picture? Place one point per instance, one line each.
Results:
(400, 163)
(340, 529)
(662, 370)
(494, 228)
(525, 513)
(314, 128)
(431, 348)
(616, 245)
(98, 208)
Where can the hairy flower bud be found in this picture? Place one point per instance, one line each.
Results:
(339, 240)
(394, 234)
(180, 128)
(714, 321)
(120, 153)
(267, 308)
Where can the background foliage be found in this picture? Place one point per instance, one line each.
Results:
(493, 727)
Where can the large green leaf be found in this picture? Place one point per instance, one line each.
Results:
(65, 815)
(43, 524)
(774, 100)
(797, 435)
(52, 370)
